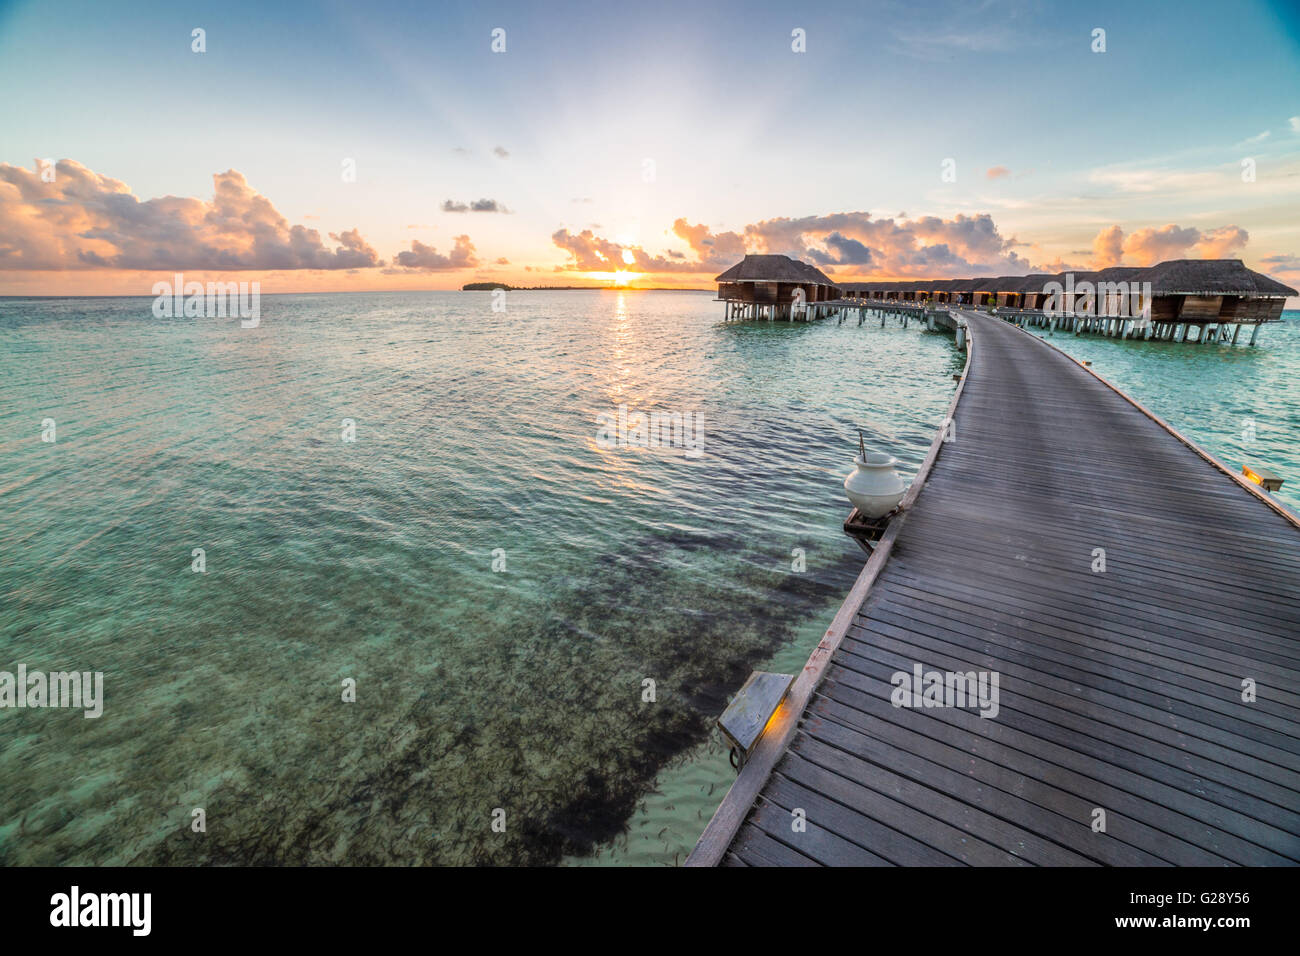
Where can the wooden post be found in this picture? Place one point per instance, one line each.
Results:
(1254, 333)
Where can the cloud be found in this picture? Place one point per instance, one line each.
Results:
(478, 205)
(1151, 245)
(1225, 242)
(427, 259)
(501, 152)
(1294, 122)
(1282, 264)
(592, 253)
(853, 243)
(719, 251)
(84, 220)
(997, 172)
(503, 261)
(1108, 247)
(929, 246)
(843, 251)
(1127, 179)
(926, 246)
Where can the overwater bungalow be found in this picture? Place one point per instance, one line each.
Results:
(1188, 299)
(1195, 291)
(969, 291)
(1015, 293)
(1031, 292)
(943, 291)
(1211, 291)
(766, 285)
(1008, 291)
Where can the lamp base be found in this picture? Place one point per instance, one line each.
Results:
(866, 531)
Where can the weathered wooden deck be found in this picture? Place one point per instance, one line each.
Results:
(1119, 691)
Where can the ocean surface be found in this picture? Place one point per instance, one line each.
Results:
(540, 628)
(521, 689)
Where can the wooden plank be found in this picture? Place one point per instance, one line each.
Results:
(810, 788)
(756, 848)
(815, 841)
(1102, 732)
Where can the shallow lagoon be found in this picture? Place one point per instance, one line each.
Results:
(518, 689)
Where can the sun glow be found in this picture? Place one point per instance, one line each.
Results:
(621, 279)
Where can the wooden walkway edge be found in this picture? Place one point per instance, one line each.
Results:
(1119, 690)
(726, 820)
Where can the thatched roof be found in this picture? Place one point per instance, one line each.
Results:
(1210, 277)
(969, 285)
(1177, 277)
(1119, 274)
(774, 268)
(1001, 284)
(1033, 282)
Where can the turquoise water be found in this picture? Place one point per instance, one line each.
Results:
(477, 690)
(519, 689)
(1236, 402)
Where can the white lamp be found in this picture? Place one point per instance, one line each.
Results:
(873, 486)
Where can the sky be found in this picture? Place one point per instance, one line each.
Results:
(342, 146)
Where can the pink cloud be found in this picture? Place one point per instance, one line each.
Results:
(84, 220)
(1148, 246)
(1108, 247)
(853, 241)
(926, 246)
(427, 259)
(592, 253)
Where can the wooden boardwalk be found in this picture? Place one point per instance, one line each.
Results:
(1120, 691)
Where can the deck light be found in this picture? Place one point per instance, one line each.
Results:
(1262, 476)
(751, 711)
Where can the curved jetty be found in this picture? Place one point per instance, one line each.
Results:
(1135, 606)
